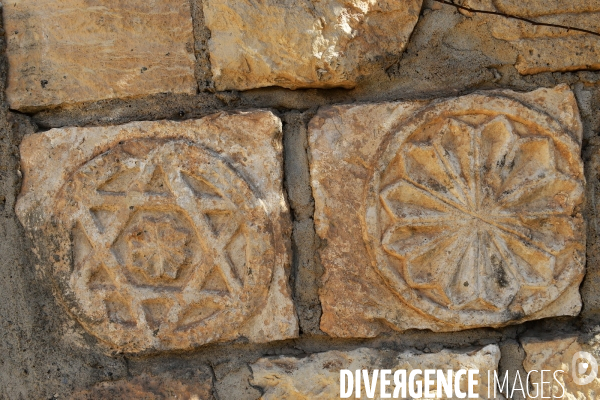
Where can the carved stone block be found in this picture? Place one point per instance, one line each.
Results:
(579, 377)
(304, 44)
(451, 214)
(547, 48)
(164, 235)
(318, 376)
(71, 51)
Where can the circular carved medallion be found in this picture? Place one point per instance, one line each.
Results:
(171, 247)
(473, 215)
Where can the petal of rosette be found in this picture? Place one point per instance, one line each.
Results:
(432, 266)
(410, 241)
(548, 232)
(496, 140)
(426, 169)
(496, 273)
(456, 147)
(404, 201)
(464, 288)
(530, 161)
(553, 194)
(428, 253)
(483, 279)
(533, 265)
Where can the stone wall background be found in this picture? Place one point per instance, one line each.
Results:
(450, 52)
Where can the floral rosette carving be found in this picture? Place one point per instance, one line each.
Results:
(161, 256)
(473, 214)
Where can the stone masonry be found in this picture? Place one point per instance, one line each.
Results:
(237, 199)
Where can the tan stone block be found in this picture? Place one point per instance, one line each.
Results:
(306, 43)
(589, 289)
(543, 48)
(451, 214)
(164, 235)
(318, 376)
(71, 51)
(190, 385)
(576, 381)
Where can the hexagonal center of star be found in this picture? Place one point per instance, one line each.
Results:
(155, 246)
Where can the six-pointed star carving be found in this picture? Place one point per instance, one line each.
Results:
(118, 207)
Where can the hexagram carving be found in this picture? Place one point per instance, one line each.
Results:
(170, 242)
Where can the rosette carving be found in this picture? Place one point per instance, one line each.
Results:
(477, 214)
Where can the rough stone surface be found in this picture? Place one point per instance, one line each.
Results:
(543, 48)
(236, 385)
(318, 375)
(307, 43)
(189, 385)
(79, 50)
(454, 214)
(559, 353)
(164, 235)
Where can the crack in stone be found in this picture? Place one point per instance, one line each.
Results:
(533, 22)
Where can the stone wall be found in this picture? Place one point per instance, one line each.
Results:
(234, 199)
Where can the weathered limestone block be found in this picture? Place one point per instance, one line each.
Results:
(453, 214)
(579, 379)
(71, 51)
(543, 48)
(318, 376)
(306, 43)
(190, 385)
(589, 289)
(164, 235)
